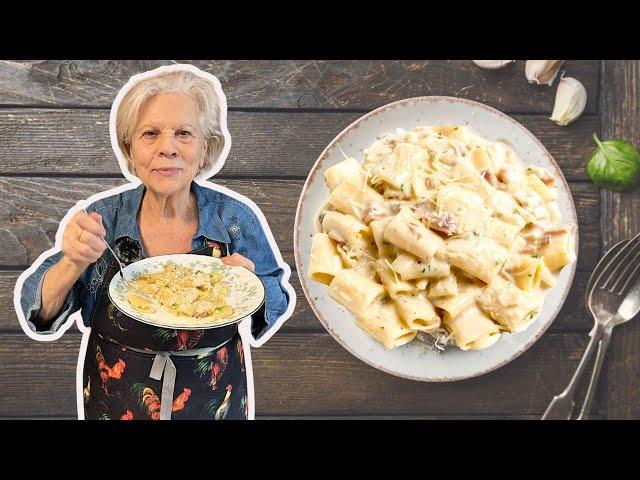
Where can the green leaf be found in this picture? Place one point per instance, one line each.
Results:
(203, 367)
(614, 165)
(164, 334)
(209, 410)
(136, 391)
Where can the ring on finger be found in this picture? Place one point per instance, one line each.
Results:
(80, 233)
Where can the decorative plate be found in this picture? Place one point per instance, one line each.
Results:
(246, 292)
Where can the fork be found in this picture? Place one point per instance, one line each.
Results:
(626, 311)
(610, 280)
(127, 284)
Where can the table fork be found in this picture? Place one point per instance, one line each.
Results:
(626, 311)
(614, 276)
(129, 287)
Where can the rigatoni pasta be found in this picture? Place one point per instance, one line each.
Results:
(324, 262)
(354, 291)
(383, 323)
(440, 231)
(184, 291)
(472, 328)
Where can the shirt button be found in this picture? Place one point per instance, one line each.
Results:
(234, 230)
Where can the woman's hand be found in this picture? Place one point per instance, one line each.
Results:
(82, 241)
(237, 260)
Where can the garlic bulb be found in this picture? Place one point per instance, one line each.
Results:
(571, 98)
(542, 71)
(492, 64)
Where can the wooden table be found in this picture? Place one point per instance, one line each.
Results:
(55, 151)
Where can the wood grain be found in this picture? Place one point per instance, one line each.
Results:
(620, 219)
(308, 84)
(311, 374)
(31, 209)
(265, 144)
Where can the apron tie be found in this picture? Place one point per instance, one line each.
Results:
(162, 363)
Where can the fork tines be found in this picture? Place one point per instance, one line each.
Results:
(623, 268)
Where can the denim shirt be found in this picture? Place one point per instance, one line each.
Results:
(221, 218)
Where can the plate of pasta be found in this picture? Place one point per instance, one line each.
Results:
(187, 292)
(436, 238)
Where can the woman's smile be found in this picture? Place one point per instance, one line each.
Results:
(168, 171)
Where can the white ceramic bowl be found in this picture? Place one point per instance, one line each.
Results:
(413, 360)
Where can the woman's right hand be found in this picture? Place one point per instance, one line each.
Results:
(82, 242)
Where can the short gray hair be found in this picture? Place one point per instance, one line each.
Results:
(187, 83)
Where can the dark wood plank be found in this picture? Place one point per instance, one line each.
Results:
(572, 317)
(309, 84)
(265, 144)
(31, 209)
(620, 389)
(408, 417)
(311, 374)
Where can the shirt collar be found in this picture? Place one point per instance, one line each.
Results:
(210, 225)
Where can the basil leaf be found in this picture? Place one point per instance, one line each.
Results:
(614, 165)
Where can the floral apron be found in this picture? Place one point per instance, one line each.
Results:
(135, 371)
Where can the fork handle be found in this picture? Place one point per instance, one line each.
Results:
(595, 375)
(561, 406)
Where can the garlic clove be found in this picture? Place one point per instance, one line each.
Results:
(542, 72)
(571, 99)
(492, 64)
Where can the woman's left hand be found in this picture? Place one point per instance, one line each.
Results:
(237, 260)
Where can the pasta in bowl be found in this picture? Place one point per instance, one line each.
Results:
(190, 292)
(436, 235)
(184, 291)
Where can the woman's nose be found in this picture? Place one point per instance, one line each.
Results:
(167, 145)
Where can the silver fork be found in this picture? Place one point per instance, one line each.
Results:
(127, 284)
(626, 311)
(610, 280)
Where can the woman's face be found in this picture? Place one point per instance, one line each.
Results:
(167, 145)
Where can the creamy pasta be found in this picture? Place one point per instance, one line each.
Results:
(185, 292)
(440, 231)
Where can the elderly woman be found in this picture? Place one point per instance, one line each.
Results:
(169, 127)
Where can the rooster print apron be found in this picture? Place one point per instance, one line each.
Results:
(136, 371)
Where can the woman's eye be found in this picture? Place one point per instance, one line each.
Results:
(149, 133)
(183, 133)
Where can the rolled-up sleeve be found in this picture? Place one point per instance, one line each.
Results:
(31, 298)
(253, 244)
